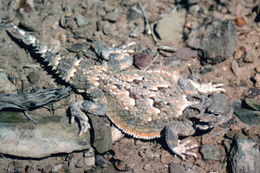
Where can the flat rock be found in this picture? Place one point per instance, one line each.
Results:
(244, 156)
(216, 39)
(81, 20)
(246, 115)
(51, 135)
(102, 138)
(211, 152)
(6, 85)
(170, 27)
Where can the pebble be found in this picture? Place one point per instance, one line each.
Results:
(235, 68)
(116, 134)
(170, 27)
(148, 167)
(108, 28)
(89, 161)
(176, 168)
(240, 21)
(215, 38)
(142, 60)
(192, 2)
(113, 16)
(133, 13)
(211, 152)
(137, 32)
(35, 76)
(77, 47)
(57, 169)
(6, 85)
(252, 98)
(246, 115)
(244, 156)
(82, 20)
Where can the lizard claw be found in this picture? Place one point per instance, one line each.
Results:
(183, 149)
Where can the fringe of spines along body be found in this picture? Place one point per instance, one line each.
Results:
(65, 67)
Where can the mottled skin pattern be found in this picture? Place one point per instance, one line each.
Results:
(140, 103)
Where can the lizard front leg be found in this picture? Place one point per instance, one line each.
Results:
(97, 105)
(172, 134)
(195, 87)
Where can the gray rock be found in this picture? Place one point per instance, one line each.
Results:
(192, 2)
(215, 39)
(252, 98)
(5, 84)
(248, 116)
(35, 76)
(113, 16)
(170, 27)
(102, 138)
(81, 20)
(108, 28)
(211, 152)
(176, 168)
(77, 47)
(133, 13)
(51, 135)
(244, 157)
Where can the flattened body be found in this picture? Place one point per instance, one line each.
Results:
(142, 103)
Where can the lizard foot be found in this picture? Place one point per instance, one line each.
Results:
(76, 111)
(183, 149)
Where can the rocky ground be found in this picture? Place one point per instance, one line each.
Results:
(207, 40)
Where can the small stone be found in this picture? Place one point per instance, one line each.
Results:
(247, 116)
(133, 13)
(6, 85)
(170, 27)
(192, 2)
(113, 16)
(137, 32)
(116, 134)
(148, 167)
(211, 152)
(176, 168)
(252, 98)
(62, 38)
(215, 38)
(57, 169)
(235, 68)
(249, 58)
(81, 20)
(240, 21)
(101, 161)
(244, 156)
(108, 28)
(142, 60)
(89, 161)
(102, 134)
(34, 77)
(76, 47)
